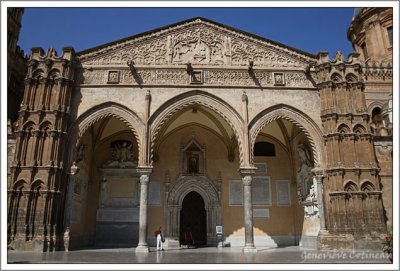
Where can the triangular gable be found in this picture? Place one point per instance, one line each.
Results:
(200, 42)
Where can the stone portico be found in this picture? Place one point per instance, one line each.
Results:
(189, 127)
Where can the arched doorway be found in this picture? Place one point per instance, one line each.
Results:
(180, 196)
(193, 220)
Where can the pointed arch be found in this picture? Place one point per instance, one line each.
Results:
(199, 185)
(54, 73)
(336, 78)
(15, 213)
(358, 128)
(343, 129)
(38, 74)
(172, 106)
(350, 186)
(367, 186)
(45, 124)
(351, 78)
(101, 111)
(29, 124)
(38, 185)
(300, 119)
(20, 184)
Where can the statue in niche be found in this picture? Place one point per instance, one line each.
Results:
(80, 154)
(193, 164)
(103, 192)
(304, 175)
(121, 154)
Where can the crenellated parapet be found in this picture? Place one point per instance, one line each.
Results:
(48, 86)
(50, 63)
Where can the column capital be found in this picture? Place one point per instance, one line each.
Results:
(244, 171)
(318, 172)
(247, 179)
(144, 179)
(144, 170)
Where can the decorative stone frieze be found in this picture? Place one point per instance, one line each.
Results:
(211, 77)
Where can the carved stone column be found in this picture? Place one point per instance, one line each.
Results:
(144, 189)
(70, 190)
(248, 210)
(320, 201)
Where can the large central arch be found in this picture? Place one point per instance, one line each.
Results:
(196, 97)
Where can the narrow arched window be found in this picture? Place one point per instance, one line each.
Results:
(264, 149)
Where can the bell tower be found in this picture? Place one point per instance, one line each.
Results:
(352, 193)
(35, 188)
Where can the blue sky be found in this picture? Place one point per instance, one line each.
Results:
(307, 29)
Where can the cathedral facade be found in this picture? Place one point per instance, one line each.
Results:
(207, 131)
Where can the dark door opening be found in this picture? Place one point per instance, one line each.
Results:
(193, 220)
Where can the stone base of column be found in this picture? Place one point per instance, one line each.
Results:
(323, 232)
(249, 249)
(142, 249)
(171, 243)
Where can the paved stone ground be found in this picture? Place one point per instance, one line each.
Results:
(209, 255)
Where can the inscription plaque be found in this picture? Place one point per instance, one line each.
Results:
(283, 193)
(261, 213)
(261, 191)
(236, 192)
(261, 167)
(154, 193)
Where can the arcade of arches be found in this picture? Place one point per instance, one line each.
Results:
(180, 128)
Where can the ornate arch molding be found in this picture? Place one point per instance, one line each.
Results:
(199, 184)
(206, 189)
(109, 109)
(196, 97)
(373, 105)
(301, 120)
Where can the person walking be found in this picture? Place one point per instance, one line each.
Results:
(160, 239)
(188, 237)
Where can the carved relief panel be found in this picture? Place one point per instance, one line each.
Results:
(199, 46)
(199, 43)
